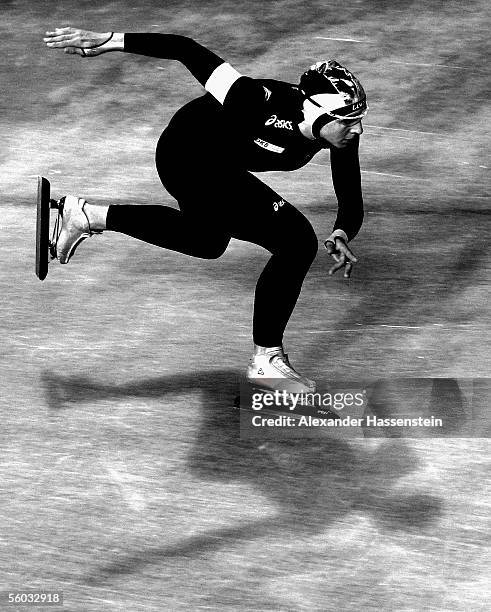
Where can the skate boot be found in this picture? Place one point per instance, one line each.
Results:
(71, 228)
(271, 370)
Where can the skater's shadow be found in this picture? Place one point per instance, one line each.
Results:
(215, 387)
(311, 483)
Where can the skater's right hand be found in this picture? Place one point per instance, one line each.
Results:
(81, 42)
(342, 255)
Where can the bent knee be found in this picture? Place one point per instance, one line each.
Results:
(303, 245)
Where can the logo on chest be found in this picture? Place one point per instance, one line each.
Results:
(279, 123)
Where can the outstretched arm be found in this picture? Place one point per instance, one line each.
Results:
(199, 60)
(209, 69)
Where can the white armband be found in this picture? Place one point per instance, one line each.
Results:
(221, 80)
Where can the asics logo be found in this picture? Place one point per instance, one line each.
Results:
(278, 205)
(279, 123)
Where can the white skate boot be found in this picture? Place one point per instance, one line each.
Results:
(271, 369)
(75, 227)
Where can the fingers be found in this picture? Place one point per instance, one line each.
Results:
(347, 270)
(332, 250)
(337, 266)
(342, 255)
(59, 31)
(58, 38)
(342, 263)
(59, 34)
(68, 42)
(61, 38)
(339, 247)
(343, 248)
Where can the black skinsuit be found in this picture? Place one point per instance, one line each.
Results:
(205, 158)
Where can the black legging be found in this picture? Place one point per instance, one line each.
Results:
(219, 201)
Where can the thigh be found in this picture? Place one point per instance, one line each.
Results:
(211, 190)
(256, 213)
(192, 173)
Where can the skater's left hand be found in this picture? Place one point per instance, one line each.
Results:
(342, 255)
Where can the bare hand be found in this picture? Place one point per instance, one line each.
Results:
(76, 41)
(342, 255)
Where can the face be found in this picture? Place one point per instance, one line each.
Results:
(340, 132)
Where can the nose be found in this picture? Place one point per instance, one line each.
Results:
(357, 129)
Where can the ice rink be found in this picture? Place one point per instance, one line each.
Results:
(124, 482)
